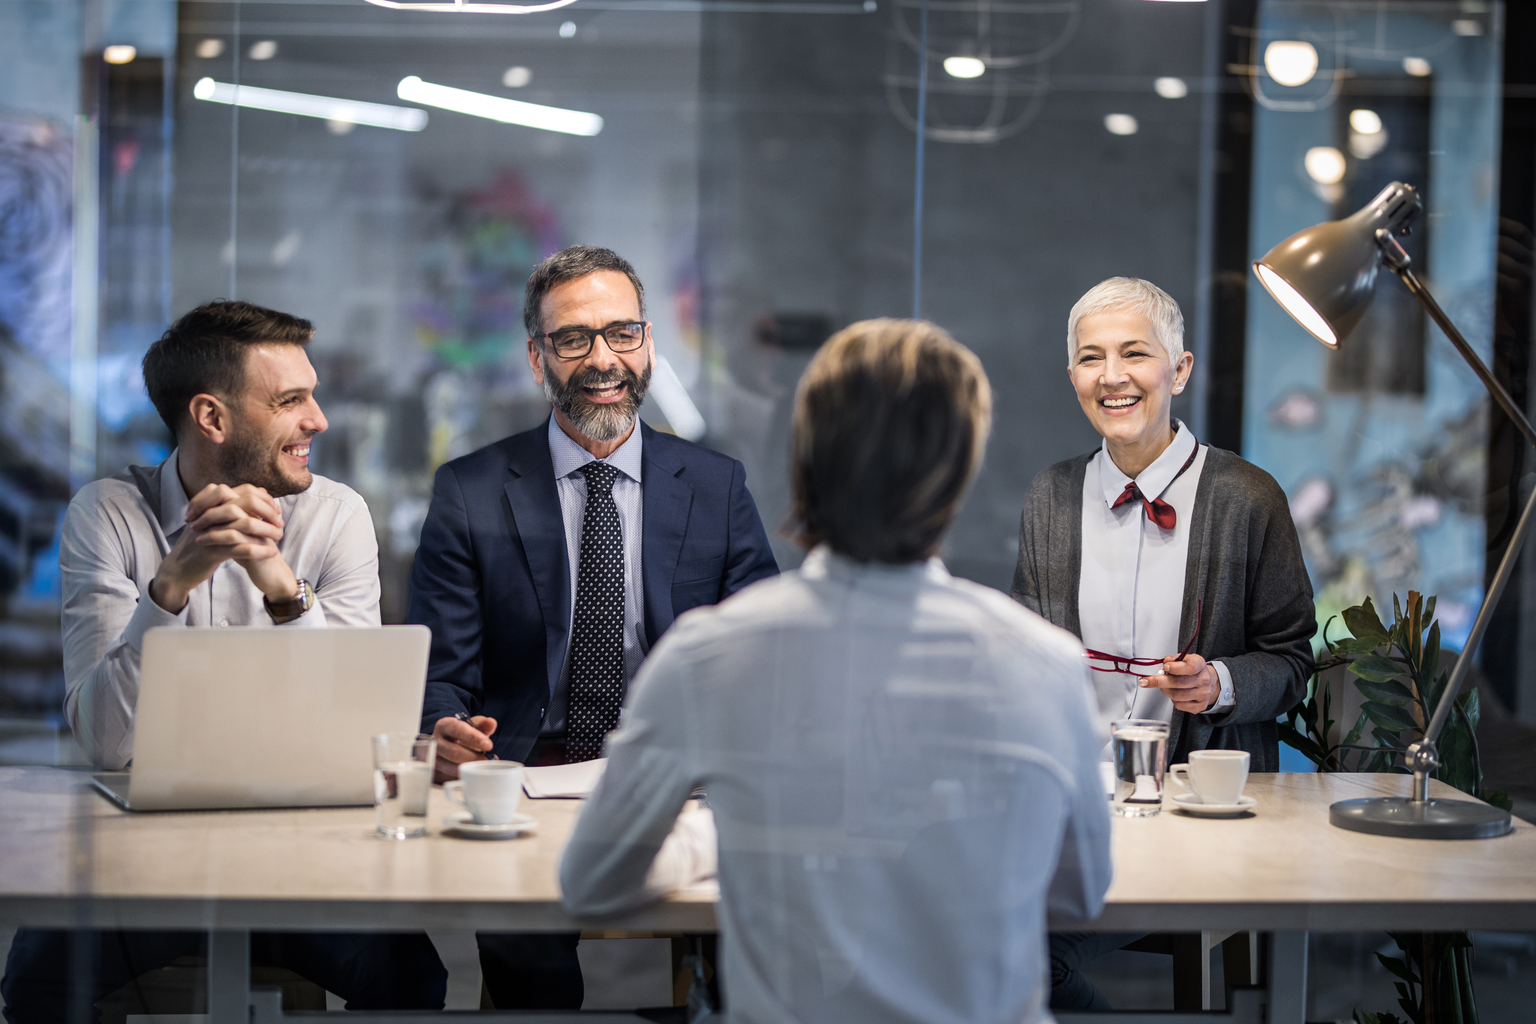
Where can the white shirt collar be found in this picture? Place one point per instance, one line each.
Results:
(173, 497)
(1154, 480)
(569, 457)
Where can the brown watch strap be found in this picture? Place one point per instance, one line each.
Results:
(286, 611)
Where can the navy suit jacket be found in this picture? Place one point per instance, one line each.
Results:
(492, 579)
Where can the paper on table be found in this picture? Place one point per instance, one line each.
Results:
(563, 781)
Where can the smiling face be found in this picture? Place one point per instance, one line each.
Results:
(272, 421)
(597, 395)
(1125, 381)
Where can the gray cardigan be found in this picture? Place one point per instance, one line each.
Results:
(1244, 564)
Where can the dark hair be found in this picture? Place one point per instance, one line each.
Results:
(889, 425)
(204, 353)
(567, 265)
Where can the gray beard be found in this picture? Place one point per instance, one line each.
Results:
(599, 422)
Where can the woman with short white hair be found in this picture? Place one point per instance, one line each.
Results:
(1176, 563)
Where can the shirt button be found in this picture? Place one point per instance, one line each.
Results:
(223, 622)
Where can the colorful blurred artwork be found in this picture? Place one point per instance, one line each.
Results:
(475, 266)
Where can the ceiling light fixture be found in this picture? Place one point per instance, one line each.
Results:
(1171, 88)
(264, 49)
(1325, 165)
(1418, 67)
(516, 77)
(1290, 62)
(964, 67)
(1121, 124)
(1366, 122)
(210, 48)
(499, 108)
(452, 6)
(329, 108)
(122, 53)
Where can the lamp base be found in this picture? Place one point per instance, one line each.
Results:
(1428, 819)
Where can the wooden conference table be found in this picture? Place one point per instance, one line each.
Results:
(68, 858)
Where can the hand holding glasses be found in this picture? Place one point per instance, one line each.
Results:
(1191, 687)
(576, 342)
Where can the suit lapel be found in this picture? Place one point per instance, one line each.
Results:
(666, 500)
(537, 522)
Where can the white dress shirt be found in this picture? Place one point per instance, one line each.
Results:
(1131, 590)
(902, 768)
(571, 486)
(117, 532)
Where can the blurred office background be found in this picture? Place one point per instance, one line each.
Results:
(757, 163)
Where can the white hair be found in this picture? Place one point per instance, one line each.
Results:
(1138, 296)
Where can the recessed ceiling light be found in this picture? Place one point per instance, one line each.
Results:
(1325, 165)
(964, 67)
(1121, 124)
(1290, 61)
(1418, 67)
(265, 49)
(1171, 88)
(516, 78)
(1366, 122)
(119, 54)
(210, 48)
(567, 29)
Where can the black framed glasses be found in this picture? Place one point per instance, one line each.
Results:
(575, 342)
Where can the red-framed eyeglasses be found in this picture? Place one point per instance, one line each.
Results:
(1125, 665)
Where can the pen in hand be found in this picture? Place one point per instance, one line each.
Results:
(464, 716)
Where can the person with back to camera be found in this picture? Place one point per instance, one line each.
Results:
(232, 529)
(1155, 543)
(902, 767)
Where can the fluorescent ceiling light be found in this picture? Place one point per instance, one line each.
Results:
(498, 108)
(964, 67)
(675, 404)
(378, 115)
(472, 8)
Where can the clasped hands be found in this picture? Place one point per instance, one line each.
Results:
(242, 523)
(1190, 682)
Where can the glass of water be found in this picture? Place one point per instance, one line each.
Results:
(1138, 747)
(402, 779)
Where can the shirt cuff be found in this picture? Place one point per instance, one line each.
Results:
(149, 615)
(1226, 698)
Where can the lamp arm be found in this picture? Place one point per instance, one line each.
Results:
(1423, 757)
(1437, 314)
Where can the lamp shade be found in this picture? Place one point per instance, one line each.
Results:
(1325, 276)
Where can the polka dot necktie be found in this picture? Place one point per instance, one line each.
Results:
(597, 633)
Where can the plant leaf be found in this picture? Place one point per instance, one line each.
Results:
(1429, 608)
(1357, 731)
(1363, 621)
(1389, 716)
(1399, 968)
(1389, 692)
(1376, 668)
(1354, 647)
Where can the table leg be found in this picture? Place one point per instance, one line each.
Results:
(1287, 978)
(229, 976)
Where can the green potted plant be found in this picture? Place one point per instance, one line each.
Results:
(1397, 671)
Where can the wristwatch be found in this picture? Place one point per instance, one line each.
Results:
(295, 606)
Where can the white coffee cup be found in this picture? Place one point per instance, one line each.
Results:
(489, 790)
(1215, 776)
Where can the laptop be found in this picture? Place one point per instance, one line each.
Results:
(262, 717)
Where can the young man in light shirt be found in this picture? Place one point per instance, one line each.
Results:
(901, 766)
(232, 529)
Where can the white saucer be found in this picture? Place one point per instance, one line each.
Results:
(464, 824)
(1190, 804)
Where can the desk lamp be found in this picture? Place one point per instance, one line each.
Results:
(1324, 277)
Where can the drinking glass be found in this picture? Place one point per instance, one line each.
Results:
(402, 779)
(1137, 749)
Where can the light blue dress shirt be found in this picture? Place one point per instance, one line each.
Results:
(571, 486)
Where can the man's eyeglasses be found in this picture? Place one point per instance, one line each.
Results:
(1119, 664)
(575, 342)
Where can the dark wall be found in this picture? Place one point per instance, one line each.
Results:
(806, 206)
